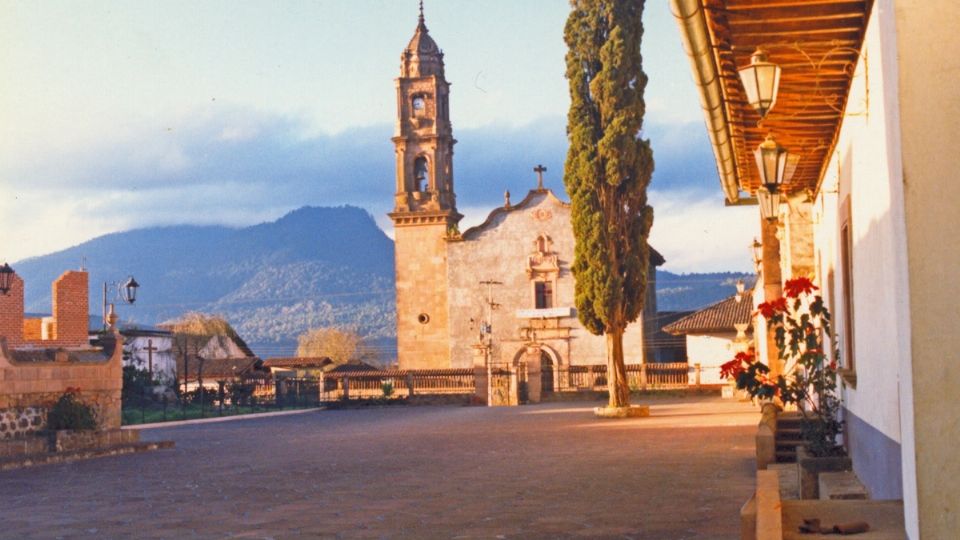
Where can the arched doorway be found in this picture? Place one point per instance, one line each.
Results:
(547, 373)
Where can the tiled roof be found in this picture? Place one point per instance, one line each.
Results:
(298, 362)
(353, 366)
(720, 317)
(223, 368)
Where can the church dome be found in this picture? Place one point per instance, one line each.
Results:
(422, 43)
(422, 57)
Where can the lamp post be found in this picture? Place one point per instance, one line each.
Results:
(761, 80)
(124, 291)
(772, 162)
(6, 278)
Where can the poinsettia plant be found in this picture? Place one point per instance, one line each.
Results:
(800, 321)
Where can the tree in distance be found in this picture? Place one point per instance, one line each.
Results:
(607, 172)
(191, 333)
(340, 345)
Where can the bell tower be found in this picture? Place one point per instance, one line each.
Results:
(425, 209)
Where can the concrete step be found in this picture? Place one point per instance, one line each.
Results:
(841, 485)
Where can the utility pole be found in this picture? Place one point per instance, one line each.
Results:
(487, 325)
(486, 328)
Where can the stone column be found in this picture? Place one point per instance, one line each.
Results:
(772, 283)
(480, 375)
(799, 229)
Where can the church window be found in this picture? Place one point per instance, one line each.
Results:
(421, 173)
(542, 244)
(543, 292)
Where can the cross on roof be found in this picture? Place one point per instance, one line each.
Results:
(539, 169)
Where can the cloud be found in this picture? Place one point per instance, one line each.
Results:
(695, 232)
(238, 166)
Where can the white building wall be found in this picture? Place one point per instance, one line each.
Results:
(164, 364)
(710, 351)
(861, 169)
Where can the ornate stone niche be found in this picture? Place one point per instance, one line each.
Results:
(543, 262)
(543, 267)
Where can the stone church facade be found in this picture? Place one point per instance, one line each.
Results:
(500, 293)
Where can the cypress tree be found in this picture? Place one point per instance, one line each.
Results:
(607, 172)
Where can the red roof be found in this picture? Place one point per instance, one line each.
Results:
(719, 317)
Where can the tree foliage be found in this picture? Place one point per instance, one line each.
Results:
(191, 333)
(202, 325)
(341, 346)
(607, 171)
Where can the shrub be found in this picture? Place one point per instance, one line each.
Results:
(71, 413)
(387, 388)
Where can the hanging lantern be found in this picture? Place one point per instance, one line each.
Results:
(757, 248)
(761, 80)
(772, 162)
(769, 203)
(129, 290)
(6, 278)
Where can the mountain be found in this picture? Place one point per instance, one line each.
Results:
(685, 292)
(312, 267)
(272, 281)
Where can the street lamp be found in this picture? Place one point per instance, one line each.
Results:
(772, 161)
(769, 202)
(757, 248)
(761, 80)
(125, 291)
(6, 278)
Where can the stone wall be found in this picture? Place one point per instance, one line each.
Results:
(421, 270)
(18, 422)
(32, 380)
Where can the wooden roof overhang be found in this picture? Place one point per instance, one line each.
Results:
(816, 43)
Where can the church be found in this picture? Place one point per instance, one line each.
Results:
(496, 294)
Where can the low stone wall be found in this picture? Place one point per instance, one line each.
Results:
(65, 441)
(32, 380)
(21, 422)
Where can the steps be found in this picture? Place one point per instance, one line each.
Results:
(788, 437)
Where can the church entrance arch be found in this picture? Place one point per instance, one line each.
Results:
(548, 374)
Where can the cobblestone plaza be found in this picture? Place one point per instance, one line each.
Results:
(544, 471)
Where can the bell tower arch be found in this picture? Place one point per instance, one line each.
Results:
(425, 209)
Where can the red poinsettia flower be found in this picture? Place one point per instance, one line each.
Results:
(769, 309)
(731, 369)
(797, 286)
(739, 364)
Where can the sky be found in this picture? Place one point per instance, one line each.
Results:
(119, 115)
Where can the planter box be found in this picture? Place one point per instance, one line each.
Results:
(810, 467)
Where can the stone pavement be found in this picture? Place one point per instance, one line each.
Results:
(542, 471)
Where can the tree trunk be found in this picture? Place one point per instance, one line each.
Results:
(617, 384)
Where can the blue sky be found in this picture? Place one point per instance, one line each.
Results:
(119, 115)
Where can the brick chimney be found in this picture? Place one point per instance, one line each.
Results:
(11, 313)
(71, 308)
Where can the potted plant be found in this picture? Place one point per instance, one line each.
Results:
(800, 321)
